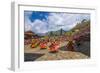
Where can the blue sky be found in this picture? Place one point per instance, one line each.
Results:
(38, 15)
(43, 22)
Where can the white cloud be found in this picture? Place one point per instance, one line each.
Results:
(64, 20)
(39, 26)
(55, 21)
(28, 27)
(27, 21)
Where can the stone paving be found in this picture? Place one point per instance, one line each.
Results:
(36, 54)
